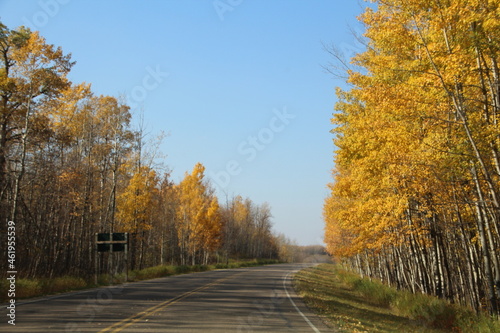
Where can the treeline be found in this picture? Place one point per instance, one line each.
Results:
(71, 165)
(415, 200)
(305, 254)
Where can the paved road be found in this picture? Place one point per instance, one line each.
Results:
(258, 299)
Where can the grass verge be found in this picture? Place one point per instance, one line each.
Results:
(352, 304)
(28, 288)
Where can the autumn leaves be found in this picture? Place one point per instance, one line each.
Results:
(417, 178)
(199, 219)
(72, 165)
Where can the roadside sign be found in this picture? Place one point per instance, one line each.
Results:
(111, 242)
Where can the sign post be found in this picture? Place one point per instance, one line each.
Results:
(111, 242)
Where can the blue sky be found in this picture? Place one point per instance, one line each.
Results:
(237, 85)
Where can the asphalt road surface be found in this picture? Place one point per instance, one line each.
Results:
(257, 299)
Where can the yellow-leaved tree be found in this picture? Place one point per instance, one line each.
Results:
(416, 196)
(136, 208)
(198, 217)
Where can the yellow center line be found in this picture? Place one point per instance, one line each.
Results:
(117, 327)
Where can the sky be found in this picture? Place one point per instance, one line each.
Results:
(238, 85)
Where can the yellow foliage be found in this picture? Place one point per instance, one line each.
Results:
(406, 130)
(137, 202)
(198, 215)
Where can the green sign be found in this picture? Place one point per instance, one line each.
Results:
(112, 242)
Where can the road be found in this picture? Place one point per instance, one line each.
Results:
(257, 299)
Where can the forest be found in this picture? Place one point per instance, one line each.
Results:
(74, 163)
(415, 197)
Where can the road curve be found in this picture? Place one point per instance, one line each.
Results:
(258, 299)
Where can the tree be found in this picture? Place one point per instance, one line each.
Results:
(71, 166)
(198, 217)
(31, 73)
(418, 166)
(136, 207)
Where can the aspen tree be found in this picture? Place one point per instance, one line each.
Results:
(199, 221)
(418, 166)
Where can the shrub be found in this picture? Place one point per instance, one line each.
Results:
(152, 273)
(428, 310)
(468, 321)
(27, 288)
(200, 268)
(62, 284)
(375, 292)
(182, 269)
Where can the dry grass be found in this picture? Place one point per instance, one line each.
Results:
(352, 304)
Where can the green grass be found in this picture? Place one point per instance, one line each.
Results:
(28, 288)
(352, 304)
